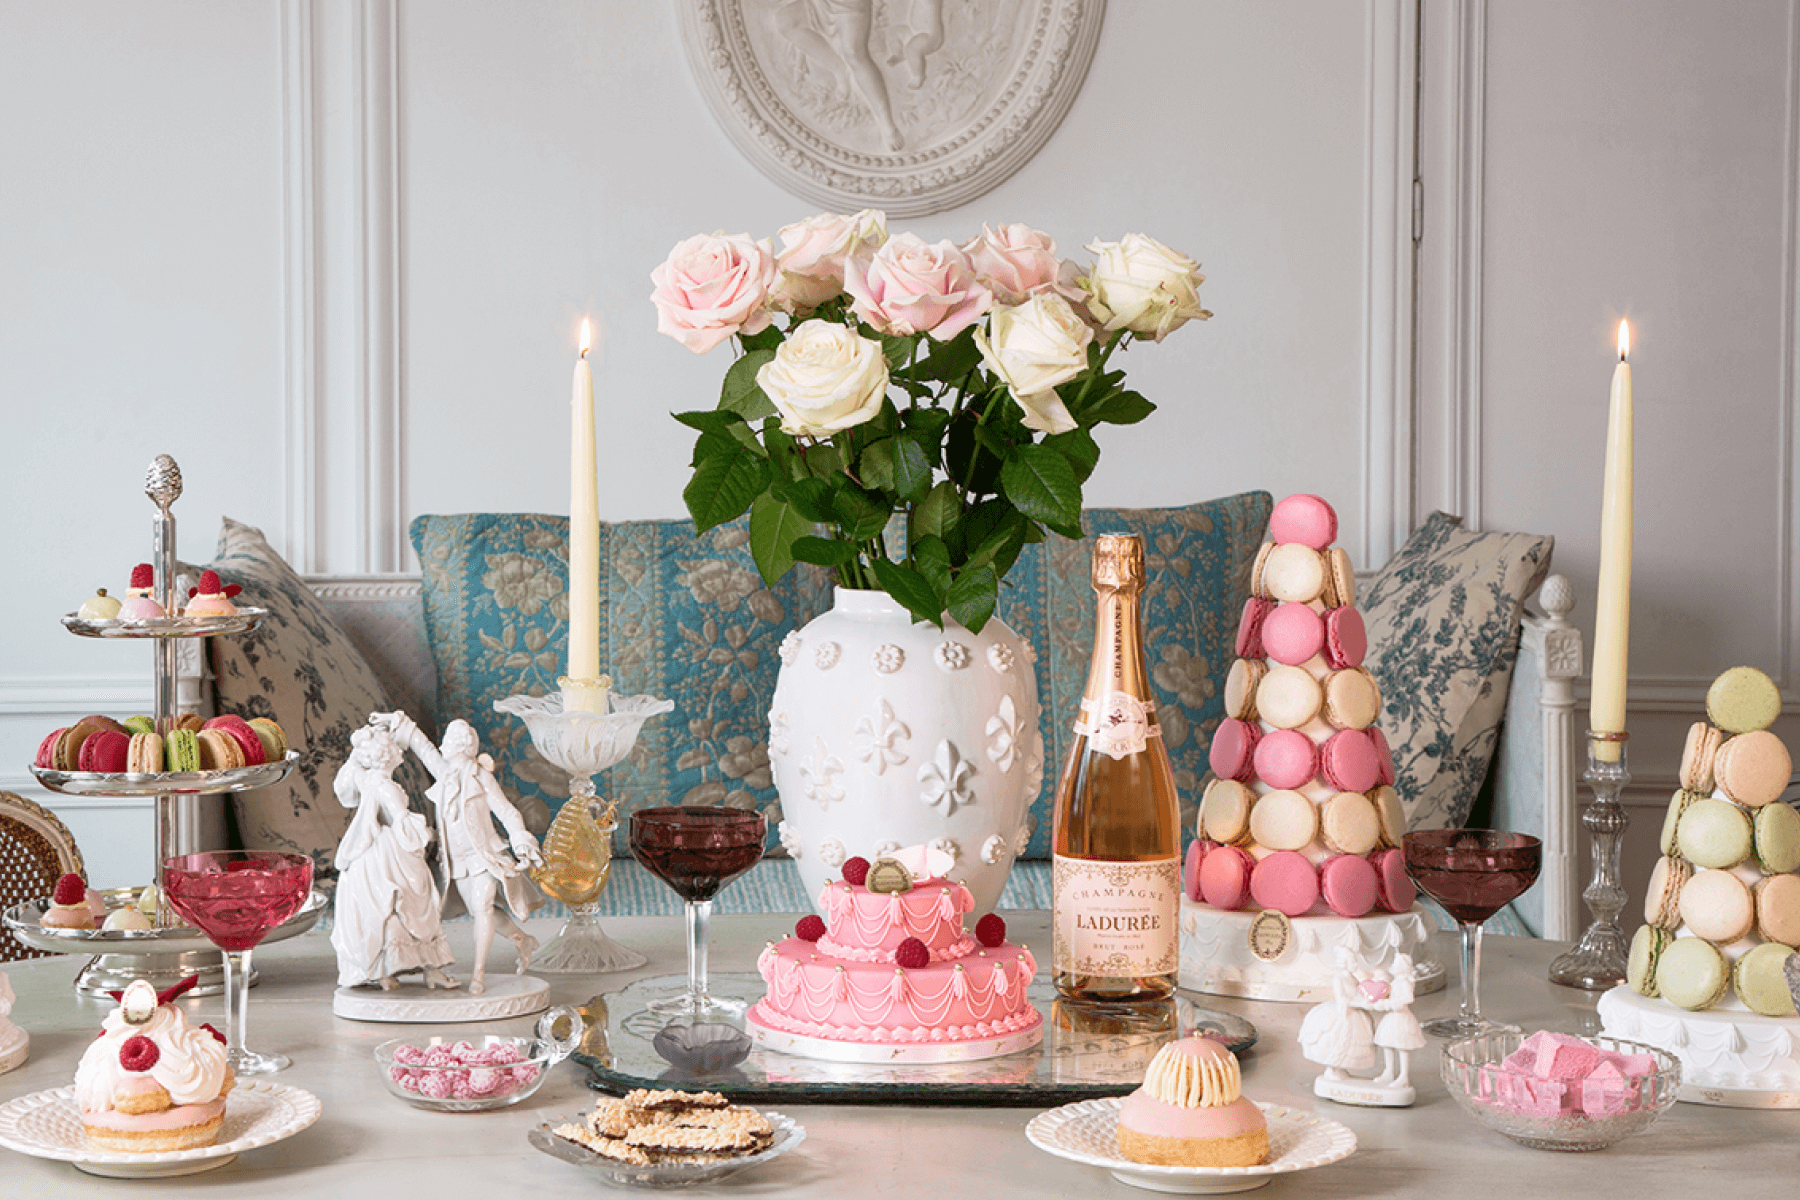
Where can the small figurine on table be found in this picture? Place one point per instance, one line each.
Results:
(1341, 1035)
(474, 858)
(388, 906)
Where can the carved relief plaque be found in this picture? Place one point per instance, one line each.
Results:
(912, 106)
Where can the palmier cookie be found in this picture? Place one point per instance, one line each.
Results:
(1352, 698)
(1340, 580)
(1752, 768)
(1288, 697)
(1295, 573)
(1225, 811)
(1662, 899)
(1703, 741)
(1283, 820)
(1678, 805)
(1393, 817)
(1240, 687)
(1350, 824)
(1778, 909)
(1717, 906)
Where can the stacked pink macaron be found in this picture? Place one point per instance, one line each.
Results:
(1302, 815)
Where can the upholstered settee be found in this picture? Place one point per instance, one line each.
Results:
(687, 618)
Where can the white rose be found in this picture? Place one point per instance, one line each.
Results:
(1139, 284)
(1033, 347)
(823, 378)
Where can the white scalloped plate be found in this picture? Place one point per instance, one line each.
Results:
(1088, 1132)
(48, 1125)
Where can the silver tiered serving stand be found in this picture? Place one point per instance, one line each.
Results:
(167, 952)
(1597, 961)
(583, 744)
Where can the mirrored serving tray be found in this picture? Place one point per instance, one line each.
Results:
(1087, 1051)
(241, 621)
(165, 783)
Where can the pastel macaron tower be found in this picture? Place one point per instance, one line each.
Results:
(1300, 816)
(1704, 977)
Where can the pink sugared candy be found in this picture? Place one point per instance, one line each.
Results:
(483, 1081)
(440, 1056)
(525, 1074)
(505, 1053)
(437, 1084)
(408, 1054)
(1557, 1075)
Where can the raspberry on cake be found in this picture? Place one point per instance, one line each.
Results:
(151, 1082)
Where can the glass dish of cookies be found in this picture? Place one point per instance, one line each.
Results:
(668, 1138)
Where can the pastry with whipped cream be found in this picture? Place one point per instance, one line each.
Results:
(1191, 1111)
(151, 1082)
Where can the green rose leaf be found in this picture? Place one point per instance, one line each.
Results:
(740, 393)
(973, 595)
(1079, 447)
(1000, 546)
(932, 559)
(1042, 484)
(937, 514)
(875, 465)
(774, 527)
(728, 476)
(1121, 408)
(911, 589)
(811, 498)
(861, 514)
(951, 360)
(767, 338)
(911, 467)
(709, 420)
(823, 552)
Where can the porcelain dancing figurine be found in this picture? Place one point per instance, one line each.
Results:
(1342, 1034)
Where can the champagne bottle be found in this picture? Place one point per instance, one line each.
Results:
(1116, 875)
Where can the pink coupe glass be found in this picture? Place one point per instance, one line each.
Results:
(235, 897)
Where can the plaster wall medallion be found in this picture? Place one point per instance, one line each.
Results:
(912, 106)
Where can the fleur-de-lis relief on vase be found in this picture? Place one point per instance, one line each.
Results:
(1003, 735)
(877, 735)
(946, 778)
(819, 775)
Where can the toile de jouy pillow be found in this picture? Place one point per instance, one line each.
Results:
(1443, 618)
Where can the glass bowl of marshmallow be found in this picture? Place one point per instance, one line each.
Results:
(1554, 1091)
(478, 1073)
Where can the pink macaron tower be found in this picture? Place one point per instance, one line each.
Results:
(1301, 813)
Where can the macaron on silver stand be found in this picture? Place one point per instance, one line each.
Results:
(169, 951)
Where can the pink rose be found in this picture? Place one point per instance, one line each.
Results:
(1016, 261)
(813, 254)
(713, 286)
(909, 287)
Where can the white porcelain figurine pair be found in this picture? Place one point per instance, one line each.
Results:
(1370, 1010)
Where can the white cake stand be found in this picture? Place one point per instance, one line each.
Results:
(583, 743)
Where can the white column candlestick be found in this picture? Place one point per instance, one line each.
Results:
(1612, 617)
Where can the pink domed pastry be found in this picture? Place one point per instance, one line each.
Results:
(1346, 638)
(1293, 633)
(1349, 761)
(1249, 635)
(1286, 758)
(1225, 876)
(1191, 1111)
(1286, 881)
(1349, 884)
(1303, 518)
(1233, 748)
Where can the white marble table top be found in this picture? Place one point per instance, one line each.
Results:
(368, 1144)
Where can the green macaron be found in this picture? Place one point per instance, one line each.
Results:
(1743, 699)
(1714, 833)
(1759, 981)
(140, 724)
(1678, 804)
(1647, 946)
(1777, 839)
(1692, 974)
(182, 749)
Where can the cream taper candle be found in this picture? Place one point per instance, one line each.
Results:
(1612, 600)
(584, 530)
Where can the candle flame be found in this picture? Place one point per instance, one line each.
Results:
(587, 336)
(1624, 341)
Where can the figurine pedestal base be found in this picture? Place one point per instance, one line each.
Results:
(413, 1004)
(1216, 955)
(1364, 1092)
(15, 1046)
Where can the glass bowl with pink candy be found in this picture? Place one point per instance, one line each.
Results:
(1554, 1091)
(474, 1074)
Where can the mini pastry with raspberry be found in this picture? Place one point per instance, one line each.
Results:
(151, 1082)
(69, 905)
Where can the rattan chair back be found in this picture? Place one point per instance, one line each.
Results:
(36, 849)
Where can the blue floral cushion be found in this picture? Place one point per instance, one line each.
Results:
(688, 619)
(1443, 619)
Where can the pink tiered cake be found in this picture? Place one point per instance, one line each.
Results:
(893, 976)
(1301, 818)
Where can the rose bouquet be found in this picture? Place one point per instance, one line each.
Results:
(957, 385)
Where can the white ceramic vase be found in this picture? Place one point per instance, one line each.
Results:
(884, 733)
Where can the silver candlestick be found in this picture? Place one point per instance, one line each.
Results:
(1598, 960)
